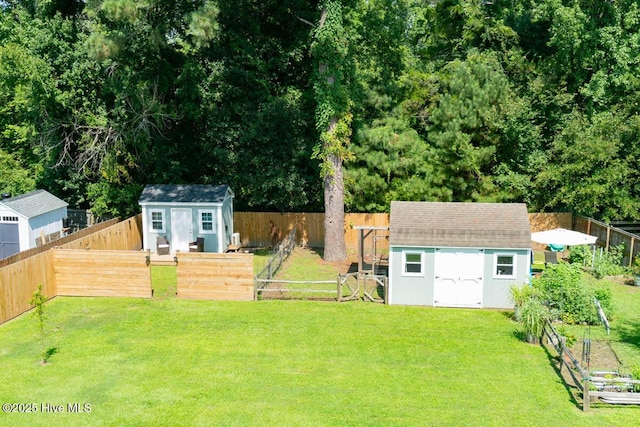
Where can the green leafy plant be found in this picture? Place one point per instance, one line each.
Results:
(609, 262)
(569, 297)
(635, 267)
(534, 315)
(635, 374)
(520, 294)
(569, 338)
(580, 255)
(38, 300)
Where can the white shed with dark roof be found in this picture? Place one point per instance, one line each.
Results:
(453, 254)
(26, 218)
(184, 214)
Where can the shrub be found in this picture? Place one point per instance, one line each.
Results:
(580, 255)
(554, 281)
(568, 297)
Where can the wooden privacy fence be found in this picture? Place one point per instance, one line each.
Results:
(89, 273)
(254, 227)
(109, 235)
(610, 236)
(21, 274)
(122, 236)
(18, 282)
(210, 276)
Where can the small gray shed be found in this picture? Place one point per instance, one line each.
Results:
(457, 254)
(26, 218)
(184, 213)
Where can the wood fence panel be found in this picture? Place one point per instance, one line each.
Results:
(108, 235)
(365, 219)
(94, 273)
(18, 282)
(208, 276)
(120, 236)
(609, 236)
(541, 221)
(254, 227)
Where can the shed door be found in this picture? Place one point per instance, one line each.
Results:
(9, 240)
(181, 229)
(458, 278)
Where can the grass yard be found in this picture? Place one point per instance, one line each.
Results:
(171, 362)
(306, 264)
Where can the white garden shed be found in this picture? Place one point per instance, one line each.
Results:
(184, 214)
(29, 218)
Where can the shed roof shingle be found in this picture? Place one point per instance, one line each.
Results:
(35, 203)
(456, 224)
(170, 193)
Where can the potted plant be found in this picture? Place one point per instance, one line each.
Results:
(534, 316)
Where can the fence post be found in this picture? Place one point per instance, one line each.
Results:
(585, 394)
(339, 281)
(255, 288)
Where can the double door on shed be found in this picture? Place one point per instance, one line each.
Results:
(458, 278)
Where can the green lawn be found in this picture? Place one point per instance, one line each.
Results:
(306, 264)
(172, 362)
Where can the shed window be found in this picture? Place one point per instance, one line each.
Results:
(207, 221)
(504, 265)
(10, 219)
(157, 220)
(412, 264)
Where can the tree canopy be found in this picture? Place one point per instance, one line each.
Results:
(534, 101)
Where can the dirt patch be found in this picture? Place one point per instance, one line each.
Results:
(601, 356)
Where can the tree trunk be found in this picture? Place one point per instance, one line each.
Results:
(334, 245)
(335, 248)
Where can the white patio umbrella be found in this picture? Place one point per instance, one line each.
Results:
(563, 237)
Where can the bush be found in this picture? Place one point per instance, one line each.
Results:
(580, 255)
(568, 297)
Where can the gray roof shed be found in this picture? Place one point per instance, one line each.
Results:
(33, 204)
(460, 225)
(178, 193)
